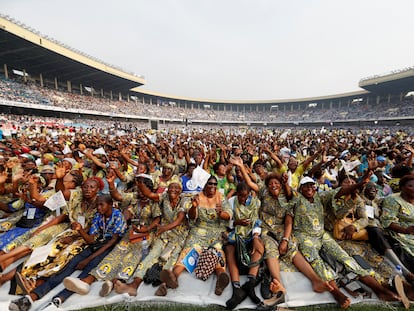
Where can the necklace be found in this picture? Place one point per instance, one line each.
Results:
(87, 206)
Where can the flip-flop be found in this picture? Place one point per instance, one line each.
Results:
(399, 287)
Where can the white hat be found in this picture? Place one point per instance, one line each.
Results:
(71, 161)
(306, 180)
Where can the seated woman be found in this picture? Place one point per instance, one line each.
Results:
(276, 216)
(56, 223)
(169, 240)
(122, 261)
(309, 229)
(31, 192)
(355, 232)
(81, 208)
(398, 220)
(377, 237)
(209, 216)
(11, 205)
(108, 225)
(247, 227)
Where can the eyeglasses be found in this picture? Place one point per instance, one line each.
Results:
(212, 184)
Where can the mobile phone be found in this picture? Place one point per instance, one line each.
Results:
(362, 262)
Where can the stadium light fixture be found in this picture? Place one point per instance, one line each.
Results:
(409, 94)
(312, 105)
(357, 100)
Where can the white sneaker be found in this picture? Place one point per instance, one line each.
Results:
(76, 285)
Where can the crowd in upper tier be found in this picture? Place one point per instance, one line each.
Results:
(14, 90)
(133, 207)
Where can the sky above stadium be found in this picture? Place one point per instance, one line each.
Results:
(234, 49)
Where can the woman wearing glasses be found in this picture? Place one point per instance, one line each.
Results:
(209, 216)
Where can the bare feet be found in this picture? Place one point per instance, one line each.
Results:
(321, 286)
(387, 295)
(275, 286)
(382, 292)
(162, 290)
(168, 277)
(122, 288)
(5, 277)
(409, 290)
(342, 300)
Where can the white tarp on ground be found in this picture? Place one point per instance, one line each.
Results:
(190, 291)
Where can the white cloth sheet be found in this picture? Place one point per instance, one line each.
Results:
(190, 291)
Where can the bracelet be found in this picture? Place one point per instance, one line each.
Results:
(285, 239)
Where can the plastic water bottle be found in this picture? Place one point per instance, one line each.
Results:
(397, 271)
(145, 247)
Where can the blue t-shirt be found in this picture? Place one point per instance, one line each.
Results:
(116, 224)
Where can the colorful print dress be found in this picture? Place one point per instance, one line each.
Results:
(122, 261)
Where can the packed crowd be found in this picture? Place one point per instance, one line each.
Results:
(127, 208)
(27, 92)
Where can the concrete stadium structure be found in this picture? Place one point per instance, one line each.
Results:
(54, 65)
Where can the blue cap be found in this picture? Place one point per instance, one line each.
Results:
(381, 159)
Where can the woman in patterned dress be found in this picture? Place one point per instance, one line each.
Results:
(208, 216)
(309, 230)
(122, 261)
(81, 209)
(55, 224)
(398, 220)
(355, 238)
(247, 228)
(276, 215)
(170, 235)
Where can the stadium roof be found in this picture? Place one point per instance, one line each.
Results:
(24, 49)
(393, 82)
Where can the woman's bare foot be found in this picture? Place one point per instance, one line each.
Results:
(5, 277)
(387, 295)
(382, 292)
(162, 290)
(409, 290)
(342, 300)
(168, 277)
(321, 286)
(122, 288)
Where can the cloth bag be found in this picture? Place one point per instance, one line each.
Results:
(207, 263)
(338, 230)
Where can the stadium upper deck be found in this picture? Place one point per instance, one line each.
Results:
(53, 65)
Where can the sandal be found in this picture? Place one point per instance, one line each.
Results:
(25, 285)
(269, 304)
(222, 281)
(399, 287)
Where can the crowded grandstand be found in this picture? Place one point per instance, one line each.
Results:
(233, 192)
